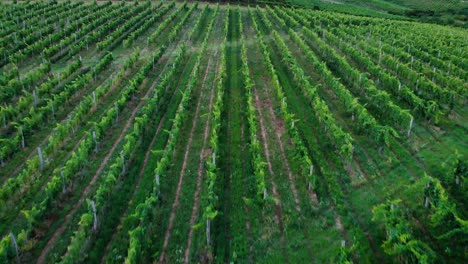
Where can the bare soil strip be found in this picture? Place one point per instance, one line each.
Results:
(279, 216)
(176, 203)
(204, 153)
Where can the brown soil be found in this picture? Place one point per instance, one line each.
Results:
(278, 212)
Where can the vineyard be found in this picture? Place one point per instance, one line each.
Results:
(176, 132)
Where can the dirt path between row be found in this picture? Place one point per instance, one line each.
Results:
(278, 210)
(204, 154)
(137, 186)
(75, 207)
(140, 175)
(176, 203)
(281, 145)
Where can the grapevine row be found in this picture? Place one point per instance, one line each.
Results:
(78, 159)
(131, 38)
(97, 205)
(258, 162)
(137, 234)
(341, 140)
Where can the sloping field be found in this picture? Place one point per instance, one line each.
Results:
(164, 132)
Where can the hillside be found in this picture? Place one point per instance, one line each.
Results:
(452, 12)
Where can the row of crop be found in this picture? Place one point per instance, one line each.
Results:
(33, 29)
(258, 162)
(395, 33)
(10, 14)
(165, 161)
(14, 15)
(68, 173)
(366, 121)
(380, 101)
(446, 45)
(342, 141)
(198, 24)
(35, 166)
(134, 20)
(448, 227)
(144, 209)
(434, 61)
(326, 179)
(162, 26)
(301, 152)
(19, 18)
(17, 83)
(210, 198)
(35, 43)
(117, 169)
(62, 129)
(176, 30)
(29, 100)
(434, 73)
(438, 41)
(134, 35)
(420, 84)
(7, 75)
(49, 47)
(428, 109)
(137, 235)
(37, 114)
(104, 20)
(85, 28)
(285, 21)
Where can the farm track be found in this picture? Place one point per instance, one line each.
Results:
(246, 185)
(234, 163)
